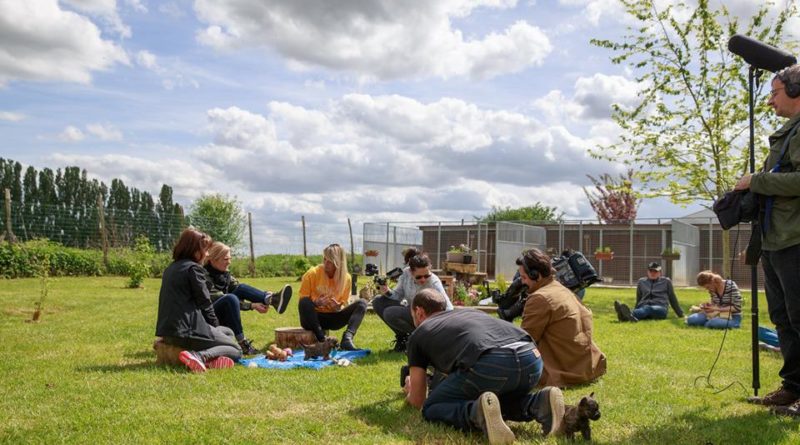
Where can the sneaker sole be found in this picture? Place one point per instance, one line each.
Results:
(556, 399)
(191, 362)
(220, 362)
(496, 430)
(284, 296)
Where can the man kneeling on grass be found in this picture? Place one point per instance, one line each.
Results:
(491, 367)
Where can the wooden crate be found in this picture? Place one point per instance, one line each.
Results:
(460, 268)
(449, 284)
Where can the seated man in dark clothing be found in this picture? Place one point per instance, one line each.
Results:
(491, 368)
(652, 294)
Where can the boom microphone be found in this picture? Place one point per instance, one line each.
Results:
(760, 55)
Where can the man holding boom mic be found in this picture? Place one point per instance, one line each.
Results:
(778, 187)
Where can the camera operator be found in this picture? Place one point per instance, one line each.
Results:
(559, 324)
(394, 306)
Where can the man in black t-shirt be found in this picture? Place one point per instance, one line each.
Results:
(491, 367)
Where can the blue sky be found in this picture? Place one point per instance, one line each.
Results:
(374, 110)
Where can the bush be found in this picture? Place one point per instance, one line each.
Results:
(140, 267)
(20, 260)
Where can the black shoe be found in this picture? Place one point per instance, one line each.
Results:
(247, 347)
(400, 341)
(347, 342)
(548, 409)
(624, 312)
(281, 299)
(489, 419)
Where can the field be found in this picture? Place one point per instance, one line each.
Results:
(86, 373)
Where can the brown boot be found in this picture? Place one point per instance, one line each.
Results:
(779, 397)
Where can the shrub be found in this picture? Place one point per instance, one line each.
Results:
(140, 267)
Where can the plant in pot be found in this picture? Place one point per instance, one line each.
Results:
(455, 255)
(671, 253)
(604, 253)
(460, 294)
(469, 256)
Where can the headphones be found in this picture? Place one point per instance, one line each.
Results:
(533, 274)
(792, 89)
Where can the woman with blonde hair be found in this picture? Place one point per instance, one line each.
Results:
(324, 294)
(231, 297)
(725, 308)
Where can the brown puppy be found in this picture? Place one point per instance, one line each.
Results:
(576, 418)
(320, 349)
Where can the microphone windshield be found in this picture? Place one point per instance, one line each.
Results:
(760, 55)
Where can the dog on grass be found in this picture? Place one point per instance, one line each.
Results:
(576, 418)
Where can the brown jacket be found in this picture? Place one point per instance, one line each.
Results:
(562, 328)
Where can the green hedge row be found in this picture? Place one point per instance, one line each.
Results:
(23, 260)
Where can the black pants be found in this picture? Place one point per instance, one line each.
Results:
(782, 285)
(317, 322)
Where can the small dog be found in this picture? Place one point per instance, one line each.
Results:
(576, 418)
(320, 349)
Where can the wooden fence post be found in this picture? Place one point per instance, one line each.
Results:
(101, 217)
(252, 265)
(9, 235)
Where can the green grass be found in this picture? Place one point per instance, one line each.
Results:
(86, 374)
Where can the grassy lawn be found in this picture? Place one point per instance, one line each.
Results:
(86, 374)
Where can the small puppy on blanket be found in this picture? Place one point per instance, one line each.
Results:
(320, 349)
(576, 418)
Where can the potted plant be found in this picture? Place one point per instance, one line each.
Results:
(371, 252)
(604, 254)
(455, 255)
(460, 294)
(671, 254)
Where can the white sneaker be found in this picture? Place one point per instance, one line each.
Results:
(490, 420)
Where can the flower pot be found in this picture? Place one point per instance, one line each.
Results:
(455, 257)
(604, 256)
(467, 258)
(671, 257)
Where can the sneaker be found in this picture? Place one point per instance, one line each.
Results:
(347, 342)
(792, 410)
(281, 299)
(779, 397)
(548, 409)
(400, 341)
(192, 361)
(623, 312)
(247, 347)
(220, 362)
(769, 348)
(489, 419)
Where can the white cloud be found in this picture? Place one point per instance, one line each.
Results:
(136, 5)
(11, 116)
(147, 59)
(104, 132)
(171, 9)
(592, 99)
(43, 42)
(71, 134)
(105, 10)
(381, 39)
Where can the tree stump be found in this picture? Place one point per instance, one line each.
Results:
(166, 354)
(294, 337)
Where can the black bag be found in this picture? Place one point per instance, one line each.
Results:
(575, 272)
(736, 207)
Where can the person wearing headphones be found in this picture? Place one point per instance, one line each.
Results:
(560, 325)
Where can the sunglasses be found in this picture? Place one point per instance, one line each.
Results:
(419, 277)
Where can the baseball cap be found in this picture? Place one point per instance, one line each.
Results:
(654, 266)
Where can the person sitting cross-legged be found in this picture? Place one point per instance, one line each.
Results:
(324, 294)
(491, 368)
(231, 297)
(653, 292)
(724, 311)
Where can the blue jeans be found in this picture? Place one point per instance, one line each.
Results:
(251, 294)
(700, 319)
(228, 312)
(508, 374)
(782, 286)
(650, 312)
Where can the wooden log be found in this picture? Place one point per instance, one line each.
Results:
(294, 337)
(166, 354)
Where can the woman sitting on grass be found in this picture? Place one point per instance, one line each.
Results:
(186, 316)
(231, 297)
(394, 306)
(725, 308)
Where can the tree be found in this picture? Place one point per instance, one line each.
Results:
(221, 217)
(537, 212)
(613, 201)
(687, 139)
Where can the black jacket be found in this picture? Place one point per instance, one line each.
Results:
(184, 303)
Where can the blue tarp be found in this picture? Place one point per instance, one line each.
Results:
(296, 361)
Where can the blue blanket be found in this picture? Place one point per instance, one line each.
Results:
(296, 361)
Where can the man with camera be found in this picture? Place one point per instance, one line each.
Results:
(491, 368)
(560, 325)
(778, 188)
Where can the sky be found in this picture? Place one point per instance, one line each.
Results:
(373, 110)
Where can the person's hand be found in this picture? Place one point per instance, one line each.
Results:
(260, 307)
(407, 386)
(743, 183)
(384, 288)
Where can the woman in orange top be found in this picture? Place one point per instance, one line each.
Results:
(324, 294)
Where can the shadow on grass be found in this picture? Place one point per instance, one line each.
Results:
(128, 367)
(698, 427)
(147, 353)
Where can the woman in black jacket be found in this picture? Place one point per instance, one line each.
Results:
(186, 315)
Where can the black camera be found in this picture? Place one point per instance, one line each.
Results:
(511, 302)
(381, 280)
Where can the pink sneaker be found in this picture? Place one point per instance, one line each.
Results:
(192, 361)
(220, 362)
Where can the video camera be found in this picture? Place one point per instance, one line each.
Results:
(371, 270)
(573, 270)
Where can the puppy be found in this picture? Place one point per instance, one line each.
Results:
(320, 349)
(576, 418)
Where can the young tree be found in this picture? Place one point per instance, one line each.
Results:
(221, 217)
(687, 140)
(613, 201)
(537, 212)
